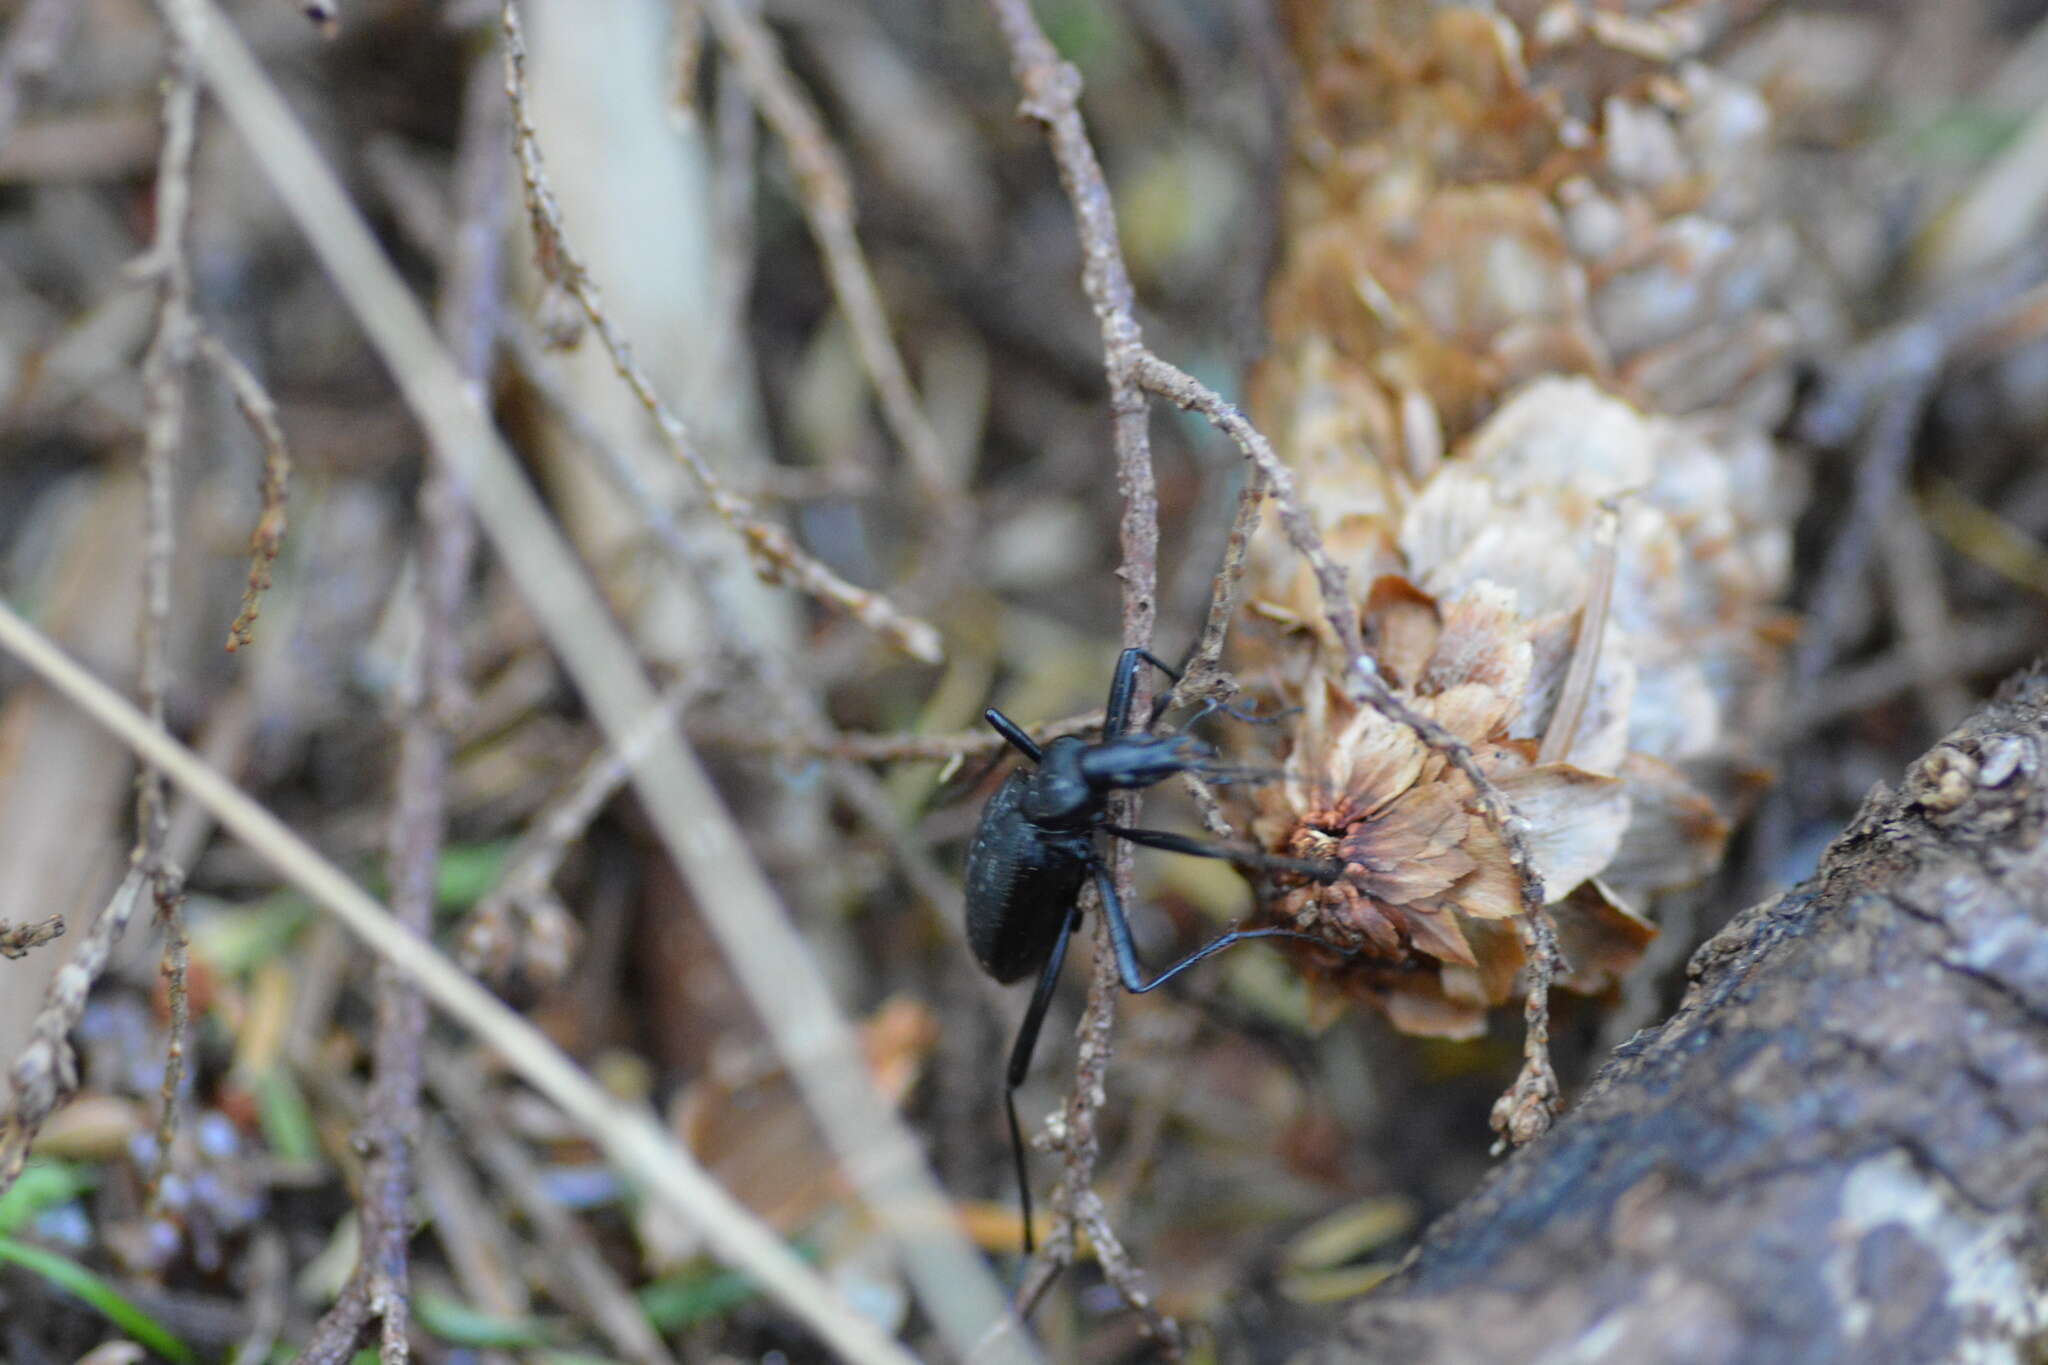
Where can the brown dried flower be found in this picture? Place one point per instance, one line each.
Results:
(1529, 342)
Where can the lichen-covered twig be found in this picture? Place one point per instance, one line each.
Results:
(774, 551)
(266, 538)
(47, 1069)
(19, 940)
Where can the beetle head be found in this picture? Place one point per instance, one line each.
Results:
(1061, 794)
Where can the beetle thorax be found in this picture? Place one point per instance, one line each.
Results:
(1060, 796)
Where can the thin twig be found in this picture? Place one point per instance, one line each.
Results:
(1228, 593)
(826, 195)
(1880, 476)
(164, 371)
(47, 1068)
(266, 538)
(774, 551)
(1052, 91)
(860, 748)
(1994, 644)
(19, 940)
(391, 1126)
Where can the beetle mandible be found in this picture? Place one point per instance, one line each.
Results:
(1035, 847)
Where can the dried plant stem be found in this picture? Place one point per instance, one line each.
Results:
(47, 1068)
(1052, 91)
(626, 1134)
(1585, 664)
(774, 551)
(164, 372)
(752, 927)
(19, 940)
(1917, 356)
(259, 410)
(392, 1124)
(859, 748)
(1228, 593)
(826, 195)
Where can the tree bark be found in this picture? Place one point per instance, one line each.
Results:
(1836, 1150)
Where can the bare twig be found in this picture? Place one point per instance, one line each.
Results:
(19, 940)
(826, 195)
(259, 410)
(47, 1069)
(774, 551)
(1880, 475)
(164, 372)
(576, 1266)
(1997, 643)
(391, 1127)
(858, 748)
(1229, 590)
(1052, 90)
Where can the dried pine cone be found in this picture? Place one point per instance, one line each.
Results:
(1528, 292)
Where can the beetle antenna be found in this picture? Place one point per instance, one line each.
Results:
(1023, 1177)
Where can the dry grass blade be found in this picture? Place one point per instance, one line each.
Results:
(768, 956)
(628, 1136)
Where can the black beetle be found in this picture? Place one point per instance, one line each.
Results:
(1035, 846)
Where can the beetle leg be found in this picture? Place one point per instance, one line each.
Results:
(1116, 715)
(1325, 870)
(1020, 1059)
(1127, 965)
(1014, 733)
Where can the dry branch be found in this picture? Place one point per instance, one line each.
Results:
(1833, 1151)
(1051, 89)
